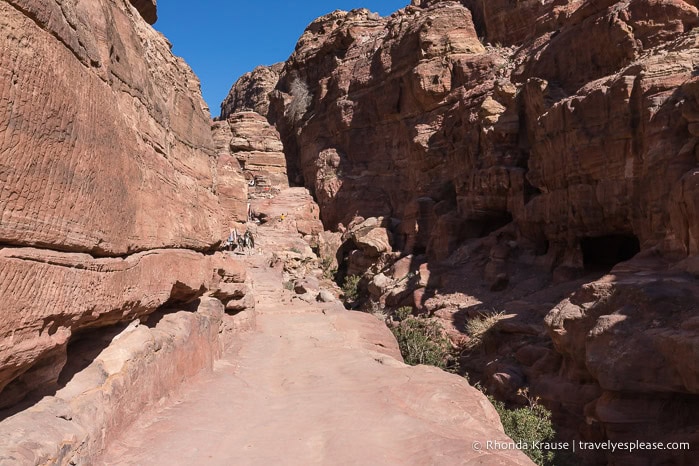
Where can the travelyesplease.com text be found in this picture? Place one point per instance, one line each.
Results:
(607, 445)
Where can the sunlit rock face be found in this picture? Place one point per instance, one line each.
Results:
(108, 194)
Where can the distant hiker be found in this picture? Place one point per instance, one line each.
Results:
(230, 241)
(282, 217)
(250, 239)
(239, 240)
(249, 213)
(251, 182)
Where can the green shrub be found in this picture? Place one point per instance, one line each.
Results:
(403, 313)
(350, 287)
(529, 424)
(421, 341)
(326, 264)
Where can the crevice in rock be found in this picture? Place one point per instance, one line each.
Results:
(16, 251)
(82, 349)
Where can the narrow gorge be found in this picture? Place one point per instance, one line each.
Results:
(520, 178)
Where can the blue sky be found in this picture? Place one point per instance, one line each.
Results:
(223, 39)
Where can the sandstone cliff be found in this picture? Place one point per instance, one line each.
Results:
(108, 179)
(513, 153)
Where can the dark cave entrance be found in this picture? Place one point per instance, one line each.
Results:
(494, 222)
(604, 252)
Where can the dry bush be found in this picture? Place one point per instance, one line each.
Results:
(300, 100)
(479, 327)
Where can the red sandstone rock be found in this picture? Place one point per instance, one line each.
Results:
(130, 371)
(231, 185)
(36, 327)
(258, 149)
(500, 161)
(120, 162)
(148, 9)
(251, 91)
(107, 179)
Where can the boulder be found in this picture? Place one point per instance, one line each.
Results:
(308, 284)
(325, 296)
(379, 285)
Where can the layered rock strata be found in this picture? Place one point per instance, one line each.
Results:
(133, 370)
(513, 157)
(256, 146)
(108, 191)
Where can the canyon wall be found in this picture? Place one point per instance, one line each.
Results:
(537, 159)
(108, 200)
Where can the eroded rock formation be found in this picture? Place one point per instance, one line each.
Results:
(515, 153)
(250, 92)
(107, 180)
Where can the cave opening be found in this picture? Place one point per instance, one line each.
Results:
(604, 252)
(494, 222)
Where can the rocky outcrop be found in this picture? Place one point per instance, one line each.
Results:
(251, 91)
(148, 9)
(70, 292)
(256, 145)
(513, 170)
(231, 185)
(112, 166)
(108, 202)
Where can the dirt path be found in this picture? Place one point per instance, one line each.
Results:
(312, 385)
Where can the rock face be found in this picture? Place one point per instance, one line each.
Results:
(231, 185)
(148, 9)
(73, 292)
(108, 196)
(251, 91)
(112, 166)
(516, 174)
(256, 145)
(473, 137)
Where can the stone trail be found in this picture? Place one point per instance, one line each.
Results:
(314, 385)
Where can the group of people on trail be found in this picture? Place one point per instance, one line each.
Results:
(243, 242)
